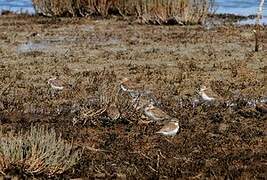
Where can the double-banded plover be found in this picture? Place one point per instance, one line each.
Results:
(130, 87)
(56, 84)
(170, 129)
(207, 94)
(155, 114)
(143, 101)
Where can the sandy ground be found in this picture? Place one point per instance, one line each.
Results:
(91, 56)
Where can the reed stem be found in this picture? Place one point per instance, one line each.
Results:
(257, 30)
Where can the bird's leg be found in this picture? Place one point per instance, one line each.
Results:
(53, 93)
(136, 101)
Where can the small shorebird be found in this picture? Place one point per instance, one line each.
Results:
(143, 101)
(55, 84)
(171, 128)
(207, 94)
(34, 37)
(130, 87)
(155, 113)
(113, 112)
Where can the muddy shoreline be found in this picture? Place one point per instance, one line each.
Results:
(91, 56)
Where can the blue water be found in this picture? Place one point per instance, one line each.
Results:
(17, 5)
(241, 7)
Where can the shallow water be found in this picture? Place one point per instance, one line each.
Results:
(17, 5)
(240, 7)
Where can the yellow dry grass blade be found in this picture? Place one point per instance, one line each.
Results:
(151, 11)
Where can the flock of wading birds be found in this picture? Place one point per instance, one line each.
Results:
(142, 101)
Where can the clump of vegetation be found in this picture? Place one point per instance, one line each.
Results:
(172, 11)
(72, 8)
(37, 152)
(148, 11)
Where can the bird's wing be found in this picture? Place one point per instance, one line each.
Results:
(159, 113)
(168, 127)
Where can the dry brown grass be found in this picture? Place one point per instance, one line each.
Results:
(148, 11)
(72, 8)
(172, 12)
(37, 152)
(169, 62)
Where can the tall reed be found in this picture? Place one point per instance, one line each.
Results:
(72, 7)
(165, 11)
(148, 11)
(257, 30)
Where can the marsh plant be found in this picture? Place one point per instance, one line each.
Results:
(257, 30)
(72, 8)
(148, 11)
(172, 11)
(39, 151)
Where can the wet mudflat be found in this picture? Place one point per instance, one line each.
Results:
(91, 56)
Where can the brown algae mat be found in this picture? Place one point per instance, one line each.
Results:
(91, 56)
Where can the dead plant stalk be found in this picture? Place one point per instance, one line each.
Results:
(257, 31)
(150, 11)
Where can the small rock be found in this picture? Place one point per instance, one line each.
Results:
(121, 177)
(163, 177)
(223, 127)
(10, 177)
(100, 175)
(262, 107)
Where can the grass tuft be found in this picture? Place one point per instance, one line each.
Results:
(37, 152)
(148, 11)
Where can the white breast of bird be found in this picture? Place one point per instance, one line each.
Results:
(170, 129)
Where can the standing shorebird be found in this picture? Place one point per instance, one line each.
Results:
(170, 129)
(130, 87)
(56, 84)
(34, 37)
(155, 114)
(207, 94)
(140, 103)
(144, 100)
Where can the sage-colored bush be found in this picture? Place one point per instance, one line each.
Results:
(40, 151)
